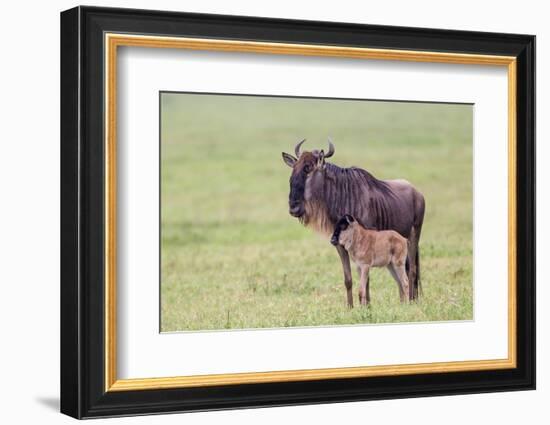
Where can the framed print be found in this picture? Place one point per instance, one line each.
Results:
(261, 212)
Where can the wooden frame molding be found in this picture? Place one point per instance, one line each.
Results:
(113, 41)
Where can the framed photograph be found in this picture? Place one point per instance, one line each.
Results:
(260, 212)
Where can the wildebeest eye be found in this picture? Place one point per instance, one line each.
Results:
(307, 168)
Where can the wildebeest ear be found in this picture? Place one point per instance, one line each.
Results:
(289, 159)
(349, 218)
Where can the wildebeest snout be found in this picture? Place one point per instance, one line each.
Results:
(295, 209)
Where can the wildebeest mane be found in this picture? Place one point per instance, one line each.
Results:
(352, 191)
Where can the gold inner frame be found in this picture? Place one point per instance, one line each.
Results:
(113, 41)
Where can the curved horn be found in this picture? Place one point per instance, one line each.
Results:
(297, 148)
(330, 149)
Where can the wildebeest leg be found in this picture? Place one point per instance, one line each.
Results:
(411, 254)
(416, 283)
(414, 238)
(367, 286)
(363, 282)
(403, 281)
(344, 257)
(394, 274)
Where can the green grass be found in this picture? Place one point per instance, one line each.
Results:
(232, 256)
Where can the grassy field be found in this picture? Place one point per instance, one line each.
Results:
(232, 256)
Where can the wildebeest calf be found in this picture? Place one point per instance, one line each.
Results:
(371, 248)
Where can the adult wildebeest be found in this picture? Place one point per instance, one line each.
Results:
(373, 248)
(321, 193)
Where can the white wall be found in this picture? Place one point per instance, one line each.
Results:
(29, 237)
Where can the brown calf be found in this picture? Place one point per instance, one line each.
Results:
(371, 248)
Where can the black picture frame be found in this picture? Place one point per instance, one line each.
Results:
(83, 392)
